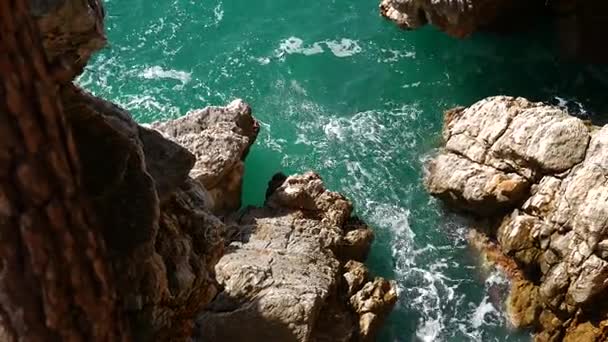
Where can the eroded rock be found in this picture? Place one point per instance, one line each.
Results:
(220, 138)
(372, 303)
(523, 304)
(282, 277)
(458, 18)
(472, 186)
(557, 230)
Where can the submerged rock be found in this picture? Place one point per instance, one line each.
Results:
(282, 278)
(556, 231)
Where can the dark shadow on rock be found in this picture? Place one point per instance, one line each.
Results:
(229, 320)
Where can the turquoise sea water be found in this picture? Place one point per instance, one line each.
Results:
(339, 90)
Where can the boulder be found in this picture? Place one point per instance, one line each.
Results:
(355, 275)
(281, 278)
(523, 304)
(472, 186)
(557, 229)
(220, 138)
(373, 303)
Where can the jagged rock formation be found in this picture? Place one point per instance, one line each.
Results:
(287, 275)
(163, 240)
(289, 272)
(543, 175)
(159, 204)
(579, 24)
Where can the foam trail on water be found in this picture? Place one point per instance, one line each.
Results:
(157, 72)
(339, 48)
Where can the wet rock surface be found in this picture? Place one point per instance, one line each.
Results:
(556, 230)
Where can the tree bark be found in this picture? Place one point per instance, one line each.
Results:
(55, 280)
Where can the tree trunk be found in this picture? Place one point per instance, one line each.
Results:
(55, 281)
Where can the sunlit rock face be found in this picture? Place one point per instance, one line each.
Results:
(555, 224)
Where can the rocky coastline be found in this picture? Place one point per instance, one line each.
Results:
(578, 25)
(187, 261)
(535, 178)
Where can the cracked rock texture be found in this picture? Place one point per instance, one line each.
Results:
(555, 225)
(287, 276)
(220, 138)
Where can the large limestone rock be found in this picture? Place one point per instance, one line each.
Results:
(473, 186)
(283, 280)
(495, 149)
(220, 138)
(558, 231)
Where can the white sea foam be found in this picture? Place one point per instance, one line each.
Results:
(567, 105)
(263, 60)
(157, 72)
(343, 48)
(391, 56)
(149, 104)
(481, 312)
(298, 88)
(293, 45)
(218, 13)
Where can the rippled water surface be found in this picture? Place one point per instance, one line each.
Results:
(339, 90)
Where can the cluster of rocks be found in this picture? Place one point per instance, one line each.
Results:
(293, 272)
(579, 24)
(290, 271)
(540, 176)
(167, 197)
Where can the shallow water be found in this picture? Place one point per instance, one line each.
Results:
(339, 90)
